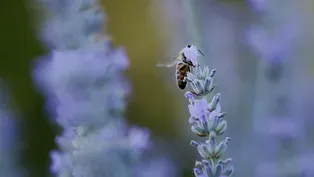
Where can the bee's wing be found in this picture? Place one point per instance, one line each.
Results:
(168, 62)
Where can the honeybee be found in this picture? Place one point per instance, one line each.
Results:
(184, 60)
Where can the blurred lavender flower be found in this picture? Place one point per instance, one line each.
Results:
(70, 23)
(9, 144)
(207, 121)
(84, 89)
(274, 38)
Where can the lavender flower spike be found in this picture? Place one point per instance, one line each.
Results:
(70, 23)
(207, 121)
(201, 81)
(84, 90)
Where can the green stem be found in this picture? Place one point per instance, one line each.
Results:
(213, 161)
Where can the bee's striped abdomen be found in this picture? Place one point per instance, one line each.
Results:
(182, 70)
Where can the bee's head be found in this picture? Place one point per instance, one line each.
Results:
(193, 48)
(190, 46)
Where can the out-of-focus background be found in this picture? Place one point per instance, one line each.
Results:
(263, 54)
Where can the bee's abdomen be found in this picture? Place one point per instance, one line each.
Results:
(181, 73)
(182, 84)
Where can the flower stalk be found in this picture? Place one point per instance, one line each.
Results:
(207, 120)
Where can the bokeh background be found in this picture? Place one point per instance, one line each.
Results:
(263, 54)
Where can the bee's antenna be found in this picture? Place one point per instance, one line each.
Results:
(200, 52)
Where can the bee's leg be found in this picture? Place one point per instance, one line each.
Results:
(195, 66)
(186, 79)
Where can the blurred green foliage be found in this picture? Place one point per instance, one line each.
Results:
(130, 26)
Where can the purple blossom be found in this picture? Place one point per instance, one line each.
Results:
(57, 161)
(152, 168)
(72, 23)
(272, 38)
(139, 138)
(199, 108)
(207, 121)
(85, 93)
